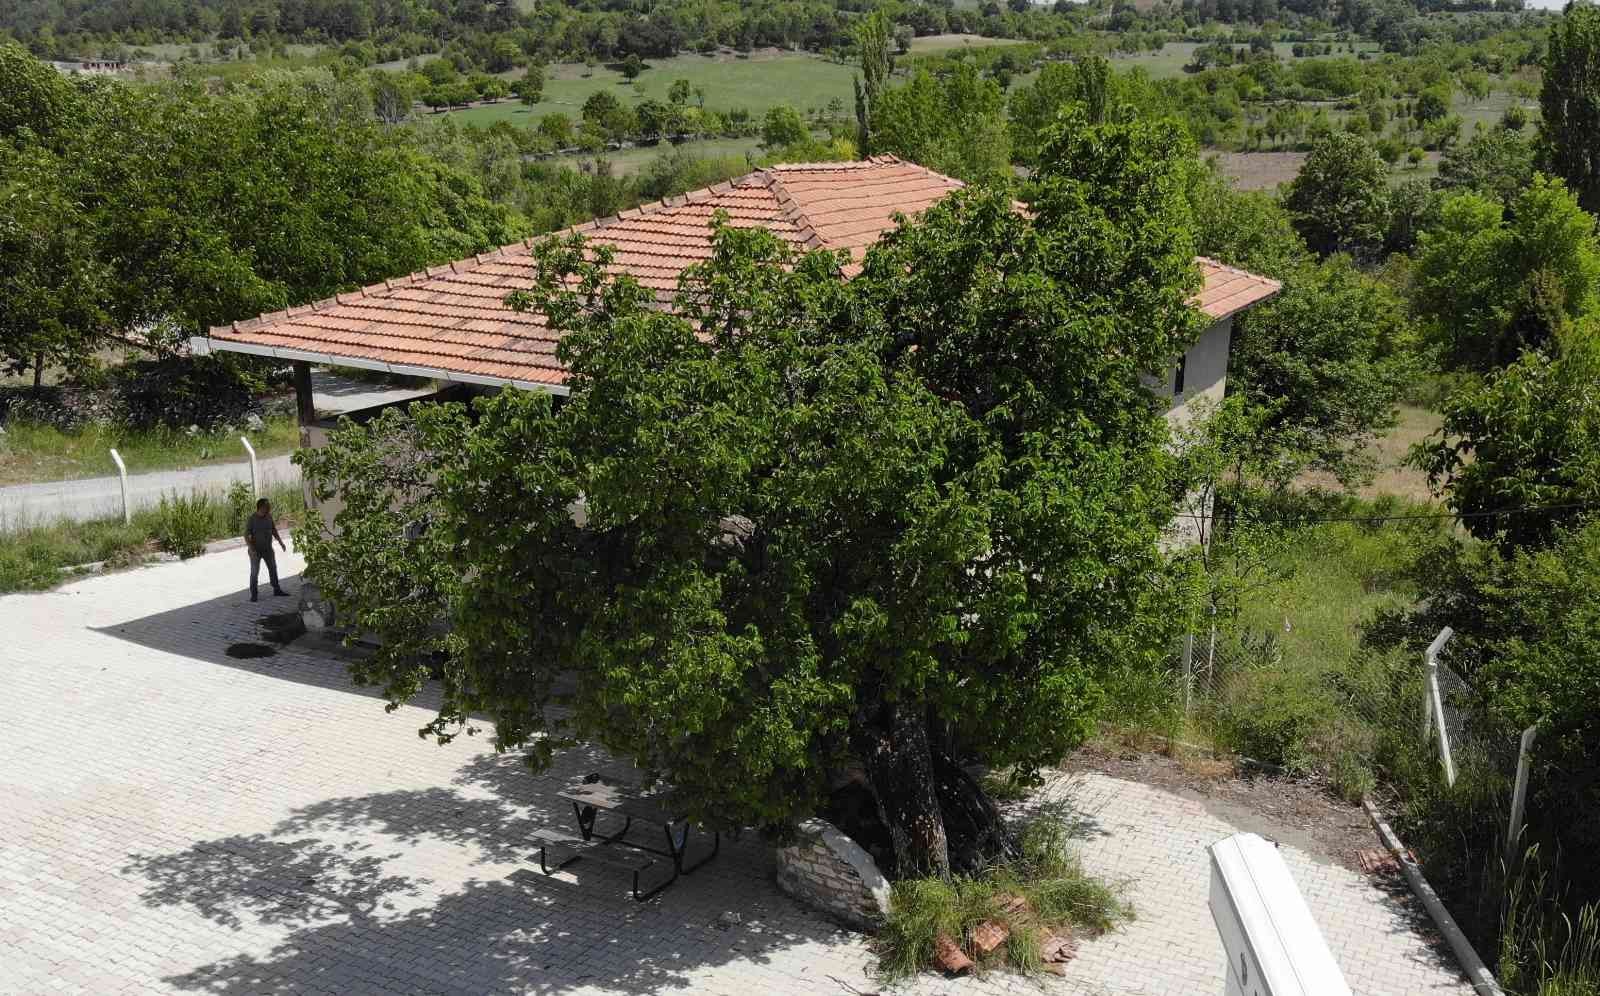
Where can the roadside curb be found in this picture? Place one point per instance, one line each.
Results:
(1476, 971)
(99, 566)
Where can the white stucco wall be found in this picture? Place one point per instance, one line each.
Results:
(1205, 374)
(1205, 380)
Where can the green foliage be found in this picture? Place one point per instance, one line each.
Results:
(35, 451)
(33, 96)
(872, 37)
(1488, 286)
(210, 204)
(1247, 229)
(1497, 163)
(1057, 893)
(1340, 198)
(1569, 103)
(1329, 358)
(1033, 108)
(1527, 436)
(816, 515)
(53, 286)
(34, 557)
(783, 127)
(954, 124)
(1545, 948)
(241, 501)
(184, 525)
(1526, 619)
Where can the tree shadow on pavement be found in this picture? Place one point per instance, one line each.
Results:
(206, 631)
(337, 885)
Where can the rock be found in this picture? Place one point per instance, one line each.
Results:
(193, 430)
(989, 935)
(729, 919)
(947, 954)
(1058, 948)
(254, 422)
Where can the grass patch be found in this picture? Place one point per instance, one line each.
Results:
(1044, 893)
(31, 453)
(1293, 680)
(35, 559)
(626, 162)
(757, 82)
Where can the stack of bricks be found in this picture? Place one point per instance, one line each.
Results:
(829, 872)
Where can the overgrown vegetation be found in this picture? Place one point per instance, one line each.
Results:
(35, 558)
(1043, 892)
(32, 452)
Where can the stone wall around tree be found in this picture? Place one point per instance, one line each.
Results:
(831, 873)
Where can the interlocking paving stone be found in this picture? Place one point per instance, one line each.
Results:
(173, 819)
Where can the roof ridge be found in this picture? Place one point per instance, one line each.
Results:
(1219, 264)
(793, 212)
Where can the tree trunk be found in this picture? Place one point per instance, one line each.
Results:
(38, 371)
(899, 764)
(974, 830)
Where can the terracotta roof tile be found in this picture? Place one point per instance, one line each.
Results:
(453, 318)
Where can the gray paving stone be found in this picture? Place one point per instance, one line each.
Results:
(173, 819)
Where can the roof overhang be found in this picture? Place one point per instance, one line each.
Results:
(205, 345)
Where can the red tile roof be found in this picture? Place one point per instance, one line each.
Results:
(452, 321)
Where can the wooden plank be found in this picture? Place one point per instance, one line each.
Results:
(620, 800)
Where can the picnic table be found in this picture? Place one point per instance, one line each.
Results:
(594, 796)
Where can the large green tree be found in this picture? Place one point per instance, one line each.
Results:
(1340, 198)
(1033, 108)
(1519, 454)
(215, 205)
(1327, 360)
(954, 123)
(33, 95)
(1569, 102)
(873, 40)
(798, 524)
(53, 284)
(1489, 283)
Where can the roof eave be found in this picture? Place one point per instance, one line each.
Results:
(205, 345)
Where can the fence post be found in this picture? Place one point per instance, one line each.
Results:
(255, 479)
(1433, 704)
(1519, 794)
(1188, 671)
(122, 477)
(1430, 684)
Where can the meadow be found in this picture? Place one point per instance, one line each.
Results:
(757, 81)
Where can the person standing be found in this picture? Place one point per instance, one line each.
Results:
(259, 532)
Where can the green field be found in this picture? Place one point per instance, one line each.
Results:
(756, 83)
(628, 161)
(1169, 62)
(929, 44)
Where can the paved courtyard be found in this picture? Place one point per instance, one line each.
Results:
(176, 819)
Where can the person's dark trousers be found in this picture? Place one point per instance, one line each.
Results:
(271, 559)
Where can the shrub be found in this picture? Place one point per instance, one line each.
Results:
(241, 503)
(1055, 893)
(180, 392)
(184, 525)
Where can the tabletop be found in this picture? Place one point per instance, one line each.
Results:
(621, 799)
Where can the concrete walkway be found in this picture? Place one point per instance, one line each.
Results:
(199, 809)
(88, 498)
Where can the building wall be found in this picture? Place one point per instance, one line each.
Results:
(1205, 374)
(1205, 381)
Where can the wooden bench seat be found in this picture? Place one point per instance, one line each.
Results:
(595, 849)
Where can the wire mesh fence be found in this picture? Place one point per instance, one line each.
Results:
(1217, 668)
